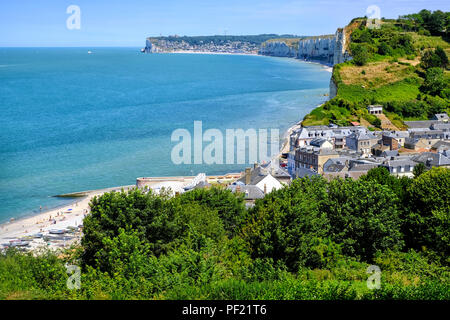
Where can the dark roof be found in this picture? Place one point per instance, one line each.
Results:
(202, 184)
(362, 167)
(362, 136)
(256, 175)
(432, 159)
(421, 124)
(389, 153)
(277, 172)
(251, 192)
(334, 167)
(442, 145)
(318, 142)
(304, 172)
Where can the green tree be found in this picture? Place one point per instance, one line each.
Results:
(229, 206)
(419, 169)
(360, 54)
(430, 59)
(284, 224)
(442, 56)
(428, 220)
(434, 82)
(363, 216)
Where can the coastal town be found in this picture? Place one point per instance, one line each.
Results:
(330, 151)
(226, 46)
(334, 151)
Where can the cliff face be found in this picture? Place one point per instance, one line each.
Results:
(150, 47)
(328, 49)
(317, 48)
(278, 49)
(341, 53)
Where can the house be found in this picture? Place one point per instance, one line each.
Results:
(291, 163)
(361, 142)
(375, 109)
(441, 146)
(321, 143)
(441, 117)
(304, 172)
(345, 167)
(394, 139)
(261, 178)
(336, 135)
(431, 159)
(423, 124)
(400, 166)
(313, 158)
(251, 193)
(277, 172)
(420, 143)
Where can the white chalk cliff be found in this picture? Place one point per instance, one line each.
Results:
(328, 49)
(317, 48)
(278, 49)
(150, 47)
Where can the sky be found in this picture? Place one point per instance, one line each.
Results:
(43, 23)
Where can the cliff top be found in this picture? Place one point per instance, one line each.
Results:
(402, 65)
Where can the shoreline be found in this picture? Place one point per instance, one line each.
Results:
(73, 213)
(212, 52)
(61, 217)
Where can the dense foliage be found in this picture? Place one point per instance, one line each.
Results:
(311, 240)
(402, 65)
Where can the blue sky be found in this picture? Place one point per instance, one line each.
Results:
(128, 22)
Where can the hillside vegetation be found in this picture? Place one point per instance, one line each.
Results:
(402, 65)
(312, 240)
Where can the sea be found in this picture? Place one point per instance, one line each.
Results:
(72, 120)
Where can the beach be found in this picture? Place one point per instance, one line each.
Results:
(107, 146)
(66, 217)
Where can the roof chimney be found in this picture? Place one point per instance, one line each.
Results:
(248, 175)
(265, 188)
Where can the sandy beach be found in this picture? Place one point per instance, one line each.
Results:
(62, 226)
(67, 218)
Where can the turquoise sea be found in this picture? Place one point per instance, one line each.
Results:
(73, 121)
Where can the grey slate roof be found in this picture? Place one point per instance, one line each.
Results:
(441, 126)
(304, 172)
(251, 192)
(442, 145)
(432, 159)
(421, 124)
(389, 153)
(256, 175)
(362, 136)
(318, 142)
(400, 163)
(277, 172)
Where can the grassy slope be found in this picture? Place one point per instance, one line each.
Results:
(381, 80)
